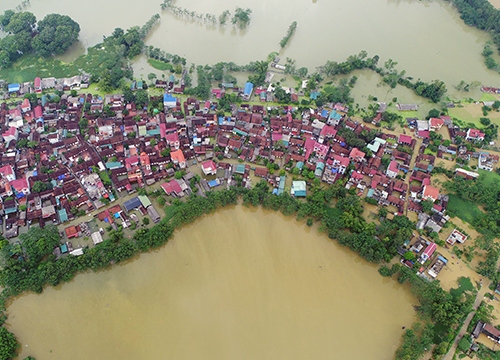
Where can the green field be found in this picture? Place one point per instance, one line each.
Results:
(491, 178)
(160, 65)
(465, 210)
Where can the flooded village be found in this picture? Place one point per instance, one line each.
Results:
(392, 179)
(90, 163)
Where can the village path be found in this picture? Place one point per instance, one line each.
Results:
(479, 298)
(408, 176)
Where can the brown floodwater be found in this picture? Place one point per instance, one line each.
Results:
(243, 283)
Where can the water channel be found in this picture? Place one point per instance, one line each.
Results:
(240, 284)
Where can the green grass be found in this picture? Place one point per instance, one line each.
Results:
(491, 178)
(160, 65)
(30, 66)
(465, 210)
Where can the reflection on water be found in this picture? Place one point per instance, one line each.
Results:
(240, 284)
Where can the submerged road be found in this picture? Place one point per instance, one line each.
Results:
(479, 298)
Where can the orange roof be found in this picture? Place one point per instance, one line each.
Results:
(430, 192)
(71, 231)
(177, 156)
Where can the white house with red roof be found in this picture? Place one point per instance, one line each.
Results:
(392, 169)
(20, 186)
(10, 134)
(7, 173)
(430, 193)
(131, 161)
(37, 84)
(474, 135)
(435, 124)
(26, 106)
(209, 167)
(356, 155)
(172, 140)
(313, 146)
(178, 158)
(340, 163)
(327, 132)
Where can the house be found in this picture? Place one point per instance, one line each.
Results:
(298, 188)
(7, 173)
(38, 85)
(429, 250)
(169, 101)
(25, 106)
(405, 140)
(10, 134)
(392, 169)
(456, 236)
(435, 124)
(209, 167)
(247, 92)
(437, 267)
(178, 158)
(356, 155)
(20, 186)
(430, 193)
(474, 135)
(14, 88)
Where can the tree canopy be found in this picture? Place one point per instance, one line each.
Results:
(56, 33)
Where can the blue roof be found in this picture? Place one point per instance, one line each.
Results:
(248, 88)
(14, 87)
(281, 187)
(213, 183)
(335, 115)
(168, 98)
(313, 95)
(64, 248)
(132, 204)
(63, 215)
(324, 113)
(153, 132)
(113, 165)
(172, 78)
(299, 165)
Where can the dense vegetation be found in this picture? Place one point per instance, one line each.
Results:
(51, 36)
(482, 15)
(289, 34)
(440, 314)
(485, 192)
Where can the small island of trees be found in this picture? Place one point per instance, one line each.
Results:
(51, 36)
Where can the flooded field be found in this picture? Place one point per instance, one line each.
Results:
(240, 284)
(427, 38)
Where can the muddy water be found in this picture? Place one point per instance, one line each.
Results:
(427, 38)
(240, 284)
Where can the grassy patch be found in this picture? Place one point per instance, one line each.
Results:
(30, 66)
(170, 211)
(160, 65)
(491, 178)
(428, 151)
(465, 210)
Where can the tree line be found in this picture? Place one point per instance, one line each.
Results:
(390, 75)
(482, 15)
(52, 35)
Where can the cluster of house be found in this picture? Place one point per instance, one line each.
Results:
(39, 84)
(75, 166)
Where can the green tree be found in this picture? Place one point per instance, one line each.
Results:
(39, 186)
(8, 344)
(145, 221)
(21, 21)
(141, 98)
(56, 33)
